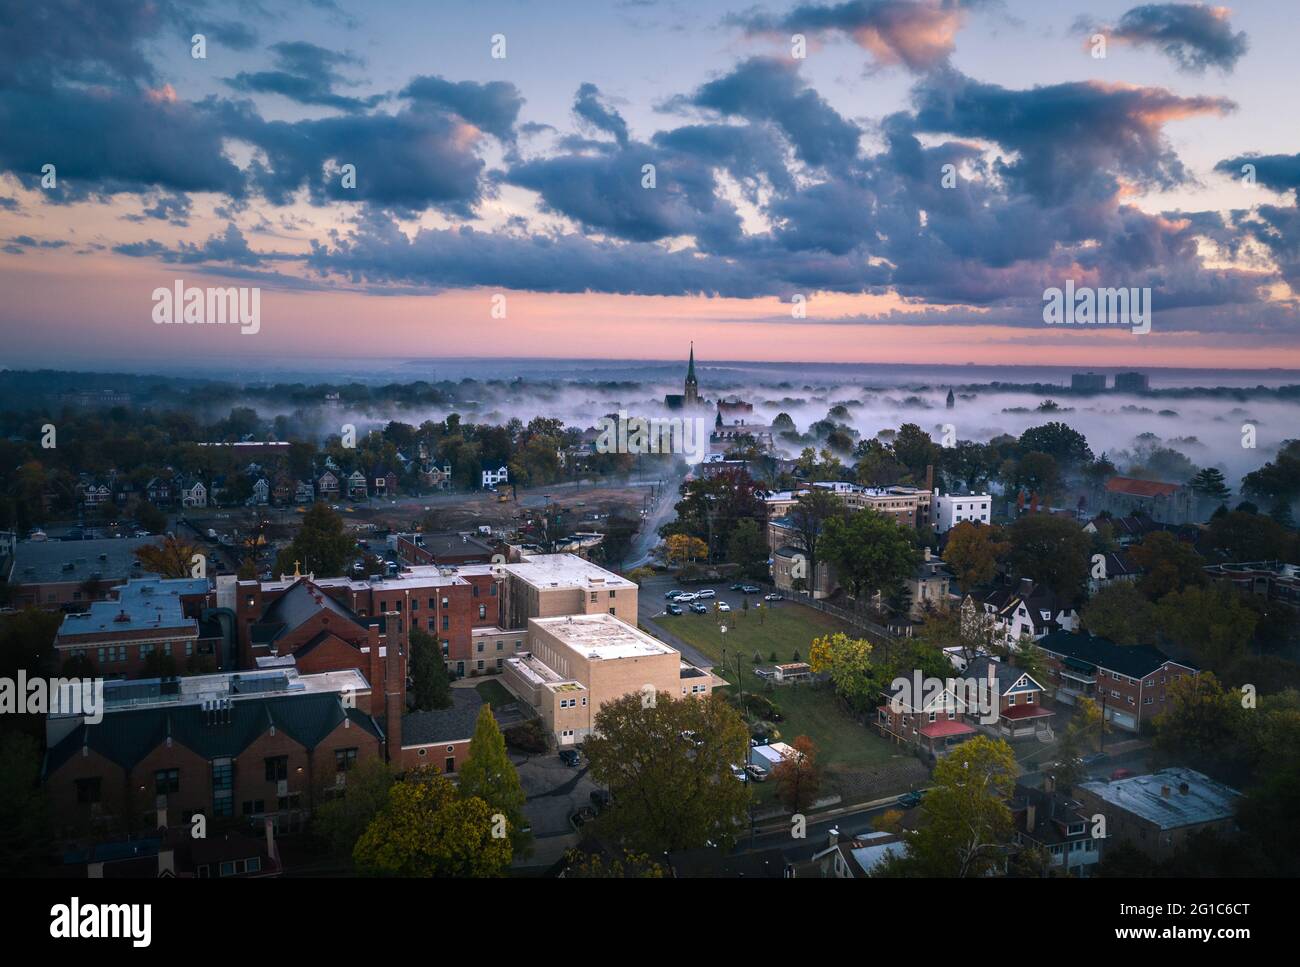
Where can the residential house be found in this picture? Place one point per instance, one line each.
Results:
(857, 858)
(261, 493)
(94, 492)
(1057, 824)
(384, 481)
(357, 485)
(934, 720)
(328, 485)
(304, 492)
(1027, 610)
(1114, 566)
(193, 493)
(928, 586)
(1129, 682)
(492, 476)
(158, 491)
(1015, 696)
(434, 477)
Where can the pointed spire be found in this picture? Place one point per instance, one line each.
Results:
(690, 369)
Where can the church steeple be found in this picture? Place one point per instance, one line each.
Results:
(692, 394)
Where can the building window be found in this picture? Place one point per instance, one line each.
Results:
(166, 780)
(613, 593)
(480, 664)
(345, 759)
(593, 597)
(446, 622)
(415, 604)
(88, 790)
(252, 807)
(277, 768)
(482, 611)
(479, 648)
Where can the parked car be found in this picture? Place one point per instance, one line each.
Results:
(772, 597)
(749, 589)
(700, 608)
(689, 736)
(1093, 758)
(737, 772)
(723, 606)
(583, 816)
(674, 609)
(672, 594)
(686, 597)
(755, 773)
(911, 800)
(706, 593)
(570, 757)
(736, 587)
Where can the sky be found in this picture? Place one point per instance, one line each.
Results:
(865, 181)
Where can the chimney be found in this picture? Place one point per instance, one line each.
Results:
(833, 837)
(1031, 817)
(394, 700)
(1026, 587)
(1049, 784)
(929, 477)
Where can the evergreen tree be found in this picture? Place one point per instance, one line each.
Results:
(489, 774)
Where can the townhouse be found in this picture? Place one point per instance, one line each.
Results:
(1129, 682)
(1057, 824)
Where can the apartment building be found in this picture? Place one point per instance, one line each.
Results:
(577, 663)
(910, 506)
(57, 574)
(1159, 812)
(952, 509)
(253, 744)
(1129, 682)
(147, 619)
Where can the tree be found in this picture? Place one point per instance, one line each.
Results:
(173, 558)
(973, 552)
(425, 829)
(1201, 719)
(915, 450)
(1038, 473)
(682, 548)
(848, 662)
(321, 547)
(150, 518)
(625, 866)
(1209, 484)
(798, 777)
(489, 774)
(870, 550)
(967, 822)
(1212, 624)
(343, 819)
(669, 793)
(808, 518)
(24, 816)
(1170, 564)
(748, 548)
(1242, 535)
(430, 684)
(1066, 445)
(1051, 551)
(1120, 612)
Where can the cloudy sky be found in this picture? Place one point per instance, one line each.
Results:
(781, 182)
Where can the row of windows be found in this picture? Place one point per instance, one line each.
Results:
(571, 702)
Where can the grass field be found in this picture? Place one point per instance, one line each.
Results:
(787, 630)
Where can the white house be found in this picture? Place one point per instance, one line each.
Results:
(952, 509)
(194, 495)
(499, 475)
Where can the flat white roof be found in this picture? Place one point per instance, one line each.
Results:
(565, 571)
(602, 637)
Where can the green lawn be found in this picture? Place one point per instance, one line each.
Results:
(843, 745)
(494, 693)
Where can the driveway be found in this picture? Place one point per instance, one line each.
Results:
(553, 790)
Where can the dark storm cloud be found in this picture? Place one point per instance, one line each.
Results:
(449, 258)
(493, 106)
(588, 105)
(768, 89)
(305, 73)
(1193, 35)
(605, 193)
(916, 33)
(96, 137)
(1280, 172)
(1074, 140)
(173, 208)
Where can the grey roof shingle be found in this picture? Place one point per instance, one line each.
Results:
(455, 724)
